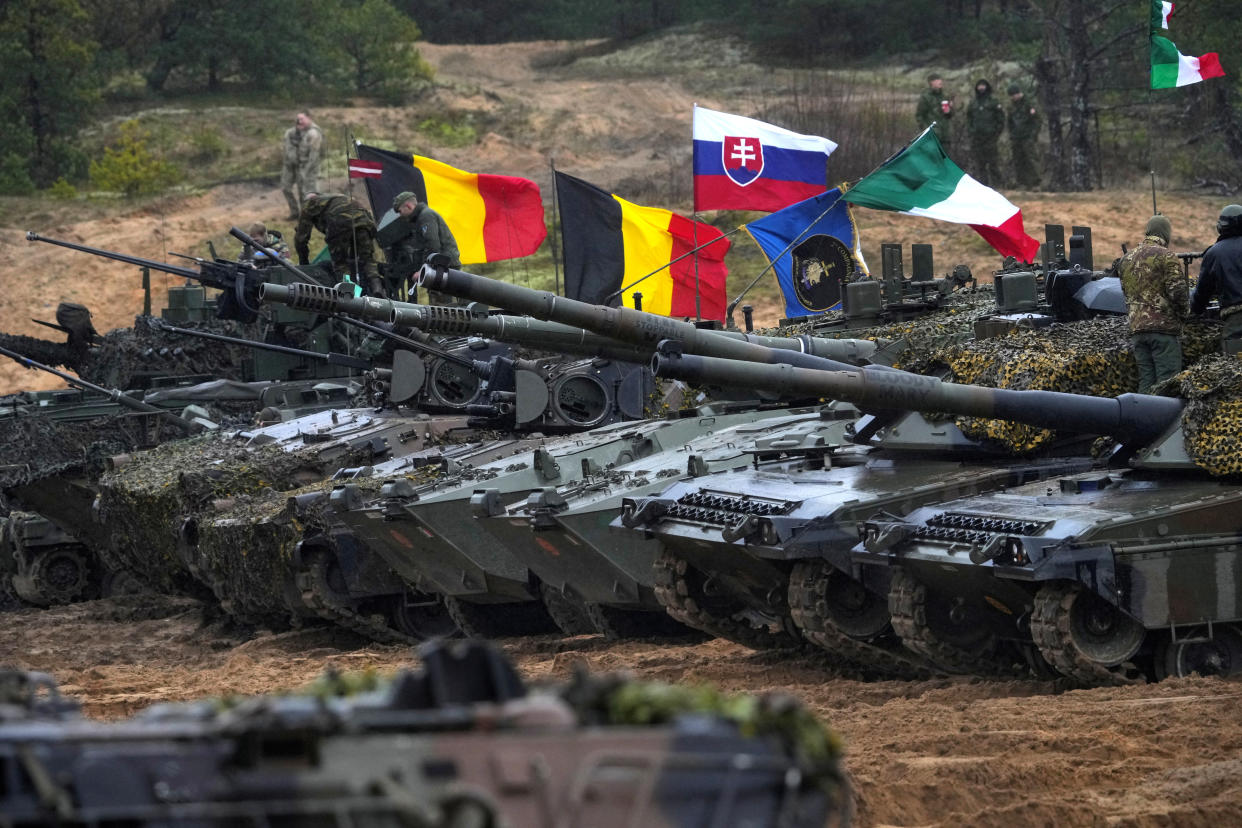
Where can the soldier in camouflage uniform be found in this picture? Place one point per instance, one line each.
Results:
(1023, 133)
(1158, 300)
(985, 121)
(419, 232)
(303, 148)
(349, 232)
(936, 106)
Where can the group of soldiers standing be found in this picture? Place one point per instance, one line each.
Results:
(986, 121)
(349, 230)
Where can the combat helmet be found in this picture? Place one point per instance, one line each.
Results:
(1230, 221)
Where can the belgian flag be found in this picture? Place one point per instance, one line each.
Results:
(609, 243)
(492, 217)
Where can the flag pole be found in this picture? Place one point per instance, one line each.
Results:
(690, 252)
(772, 262)
(698, 301)
(556, 224)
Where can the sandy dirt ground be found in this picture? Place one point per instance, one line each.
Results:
(930, 753)
(944, 752)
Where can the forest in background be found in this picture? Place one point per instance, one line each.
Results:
(69, 62)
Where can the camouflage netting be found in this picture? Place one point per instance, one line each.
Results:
(1090, 357)
(245, 552)
(952, 322)
(35, 447)
(145, 501)
(1212, 421)
(124, 355)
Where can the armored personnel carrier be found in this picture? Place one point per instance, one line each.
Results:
(460, 742)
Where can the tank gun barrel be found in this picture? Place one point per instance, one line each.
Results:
(648, 329)
(1136, 418)
(447, 321)
(187, 426)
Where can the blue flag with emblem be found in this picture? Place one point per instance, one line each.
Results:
(813, 249)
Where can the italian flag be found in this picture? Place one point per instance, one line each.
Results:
(1169, 67)
(922, 181)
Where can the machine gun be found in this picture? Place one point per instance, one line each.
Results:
(237, 281)
(421, 752)
(1187, 258)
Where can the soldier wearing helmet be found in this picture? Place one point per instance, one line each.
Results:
(1220, 274)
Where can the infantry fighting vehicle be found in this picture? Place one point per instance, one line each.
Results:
(562, 533)
(1110, 572)
(460, 742)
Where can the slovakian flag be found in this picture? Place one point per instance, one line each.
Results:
(922, 181)
(493, 217)
(744, 164)
(365, 169)
(610, 242)
(813, 249)
(1169, 67)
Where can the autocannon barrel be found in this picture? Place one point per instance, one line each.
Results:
(648, 329)
(164, 267)
(451, 321)
(1131, 417)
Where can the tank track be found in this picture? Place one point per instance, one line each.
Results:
(907, 603)
(319, 597)
(884, 655)
(499, 620)
(622, 624)
(570, 615)
(681, 600)
(1050, 630)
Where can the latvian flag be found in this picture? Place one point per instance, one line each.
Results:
(744, 164)
(1169, 67)
(365, 169)
(922, 181)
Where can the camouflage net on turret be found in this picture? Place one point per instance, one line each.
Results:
(952, 322)
(1212, 421)
(123, 356)
(1090, 357)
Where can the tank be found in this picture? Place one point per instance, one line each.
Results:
(562, 532)
(1113, 574)
(424, 748)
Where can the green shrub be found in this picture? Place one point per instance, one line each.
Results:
(447, 133)
(207, 144)
(63, 190)
(130, 168)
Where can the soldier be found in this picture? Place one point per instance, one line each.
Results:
(416, 234)
(985, 121)
(266, 238)
(1023, 132)
(303, 149)
(936, 106)
(1157, 298)
(349, 232)
(1220, 274)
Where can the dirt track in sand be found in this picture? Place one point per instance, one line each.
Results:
(930, 753)
(943, 752)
